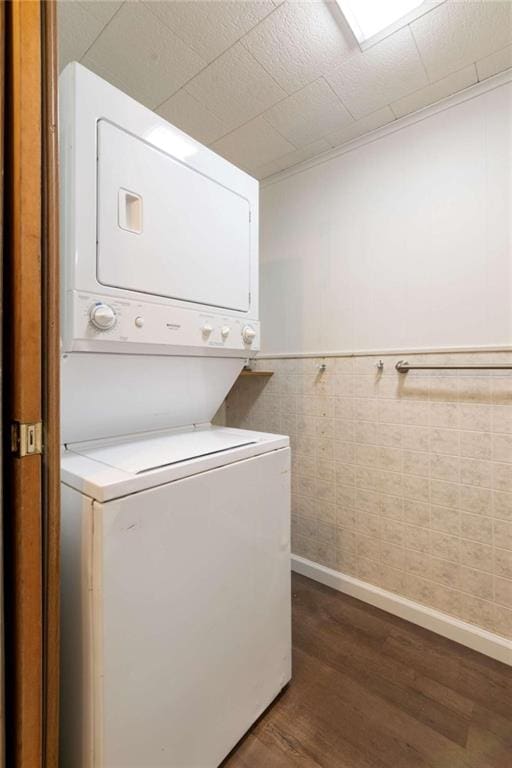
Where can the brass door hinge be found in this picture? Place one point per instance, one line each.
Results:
(26, 439)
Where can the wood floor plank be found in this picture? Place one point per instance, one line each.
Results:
(323, 744)
(370, 690)
(483, 684)
(486, 749)
(337, 713)
(394, 682)
(321, 603)
(254, 753)
(392, 723)
(445, 696)
(496, 724)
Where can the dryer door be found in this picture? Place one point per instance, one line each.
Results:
(166, 229)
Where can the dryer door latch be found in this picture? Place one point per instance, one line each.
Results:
(26, 439)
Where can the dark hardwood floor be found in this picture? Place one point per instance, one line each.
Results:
(372, 691)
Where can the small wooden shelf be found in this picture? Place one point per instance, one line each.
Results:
(257, 373)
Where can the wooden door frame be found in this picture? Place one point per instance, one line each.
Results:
(31, 393)
(51, 385)
(23, 385)
(2, 245)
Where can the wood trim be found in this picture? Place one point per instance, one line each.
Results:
(51, 385)
(256, 373)
(22, 394)
(2, 255)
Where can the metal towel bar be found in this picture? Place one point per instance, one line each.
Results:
(403, 367)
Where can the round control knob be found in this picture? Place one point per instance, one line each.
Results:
(139, 321)
(248, 334)
(224, 331)
(102, 317)
(207, 329)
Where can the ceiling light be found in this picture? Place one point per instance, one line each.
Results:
(371, 20)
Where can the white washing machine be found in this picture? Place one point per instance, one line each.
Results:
(176, 594)
(175, 533)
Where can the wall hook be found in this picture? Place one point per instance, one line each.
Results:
(322, 367)
(380, 365)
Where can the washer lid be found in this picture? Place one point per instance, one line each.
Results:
(112, 468)
(146, 453)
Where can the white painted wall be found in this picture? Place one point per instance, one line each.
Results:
(403, 241)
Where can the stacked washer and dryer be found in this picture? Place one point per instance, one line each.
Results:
(175, 533)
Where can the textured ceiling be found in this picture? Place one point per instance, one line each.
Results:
(269, 84)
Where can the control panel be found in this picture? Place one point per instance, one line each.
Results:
(108, 324)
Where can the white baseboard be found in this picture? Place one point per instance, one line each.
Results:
(474, 637)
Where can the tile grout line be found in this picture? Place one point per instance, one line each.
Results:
(103, 29)
(216, 58)
(429, 81)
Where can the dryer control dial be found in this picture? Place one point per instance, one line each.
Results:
(248, 334)
(102, 316)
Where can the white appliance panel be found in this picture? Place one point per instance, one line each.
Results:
(151, 328)
(77, 707)
(114, 467)
(185, 605)
(110, 395)
(166, 229)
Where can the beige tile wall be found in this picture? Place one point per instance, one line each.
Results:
(404, 481)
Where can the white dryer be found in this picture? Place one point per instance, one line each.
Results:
(175, 533)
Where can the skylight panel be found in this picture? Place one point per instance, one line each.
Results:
(372, 20)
